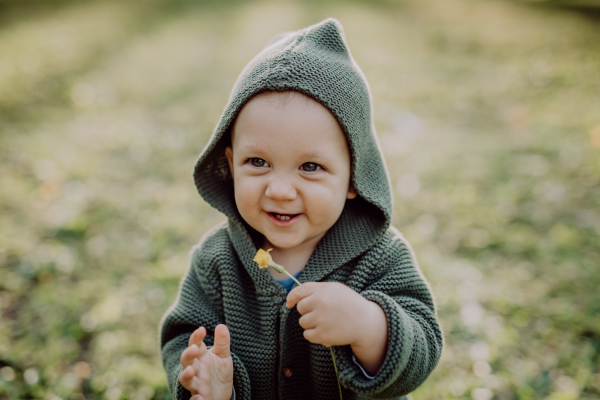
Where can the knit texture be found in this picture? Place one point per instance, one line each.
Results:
(316, 62)
(224, 285)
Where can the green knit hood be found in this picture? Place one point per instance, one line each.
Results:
(317, 62)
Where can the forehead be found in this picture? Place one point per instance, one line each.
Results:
(290, 120)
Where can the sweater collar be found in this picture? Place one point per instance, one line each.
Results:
(352, 234)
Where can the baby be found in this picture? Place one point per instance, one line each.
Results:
(295, 166)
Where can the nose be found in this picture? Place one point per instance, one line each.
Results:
(281, 189)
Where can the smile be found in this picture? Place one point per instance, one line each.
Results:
(283, 220)
(283, 217)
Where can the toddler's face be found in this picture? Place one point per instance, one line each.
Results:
(291, 168)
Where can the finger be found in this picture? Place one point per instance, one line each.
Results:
(189, 354)
(312, 336)
(308, 321)
(316, 336)
(188, 379)
(202, 350)
(197, 336)
(197, 365)
(306, 305)
(222, 341)
(300, 292)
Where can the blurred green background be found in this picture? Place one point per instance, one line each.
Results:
(489, 115)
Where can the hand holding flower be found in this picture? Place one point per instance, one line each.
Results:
(335, 315)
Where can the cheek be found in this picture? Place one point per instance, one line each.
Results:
(247, 193)
(326, 201)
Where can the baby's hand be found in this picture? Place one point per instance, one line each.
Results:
(332, 313)
(335, 315)
(208, 374)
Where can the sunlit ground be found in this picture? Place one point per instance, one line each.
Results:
(489, 116)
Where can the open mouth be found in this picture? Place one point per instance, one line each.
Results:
(283, 217)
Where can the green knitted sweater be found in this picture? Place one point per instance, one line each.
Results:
(224, 285)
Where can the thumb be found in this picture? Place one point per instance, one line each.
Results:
(222, 340)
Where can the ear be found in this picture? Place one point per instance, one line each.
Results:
(351, 193)
(229, 155)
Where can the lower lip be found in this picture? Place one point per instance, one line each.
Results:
(283, 224)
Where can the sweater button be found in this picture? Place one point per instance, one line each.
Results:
(287, 372)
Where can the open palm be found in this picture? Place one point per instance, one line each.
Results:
(208, 373)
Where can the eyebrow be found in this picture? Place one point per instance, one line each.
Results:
(308, 156)
(314, 156)
(251, 149)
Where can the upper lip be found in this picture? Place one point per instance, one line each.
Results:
(282, 213)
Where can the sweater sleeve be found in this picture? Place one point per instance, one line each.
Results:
(414, 335)
(198, 304)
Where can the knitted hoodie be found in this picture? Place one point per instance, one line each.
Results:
(224, 285)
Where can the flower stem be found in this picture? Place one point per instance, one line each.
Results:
(291, 276)
(336, 371)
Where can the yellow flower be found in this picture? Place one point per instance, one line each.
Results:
(263, 258)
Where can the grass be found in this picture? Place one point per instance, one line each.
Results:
(488, 115)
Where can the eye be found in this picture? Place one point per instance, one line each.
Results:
(310, 167)
(258, 162)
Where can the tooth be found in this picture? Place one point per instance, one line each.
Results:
(282, 217)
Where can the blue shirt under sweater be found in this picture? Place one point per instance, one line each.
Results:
(289, 282)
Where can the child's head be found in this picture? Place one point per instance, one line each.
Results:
(302, 102)
(290, 164)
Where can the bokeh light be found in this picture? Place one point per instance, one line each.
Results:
(488, 116)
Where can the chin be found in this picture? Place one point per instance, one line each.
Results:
(284, 241)
(283, 244)
(290, 241)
